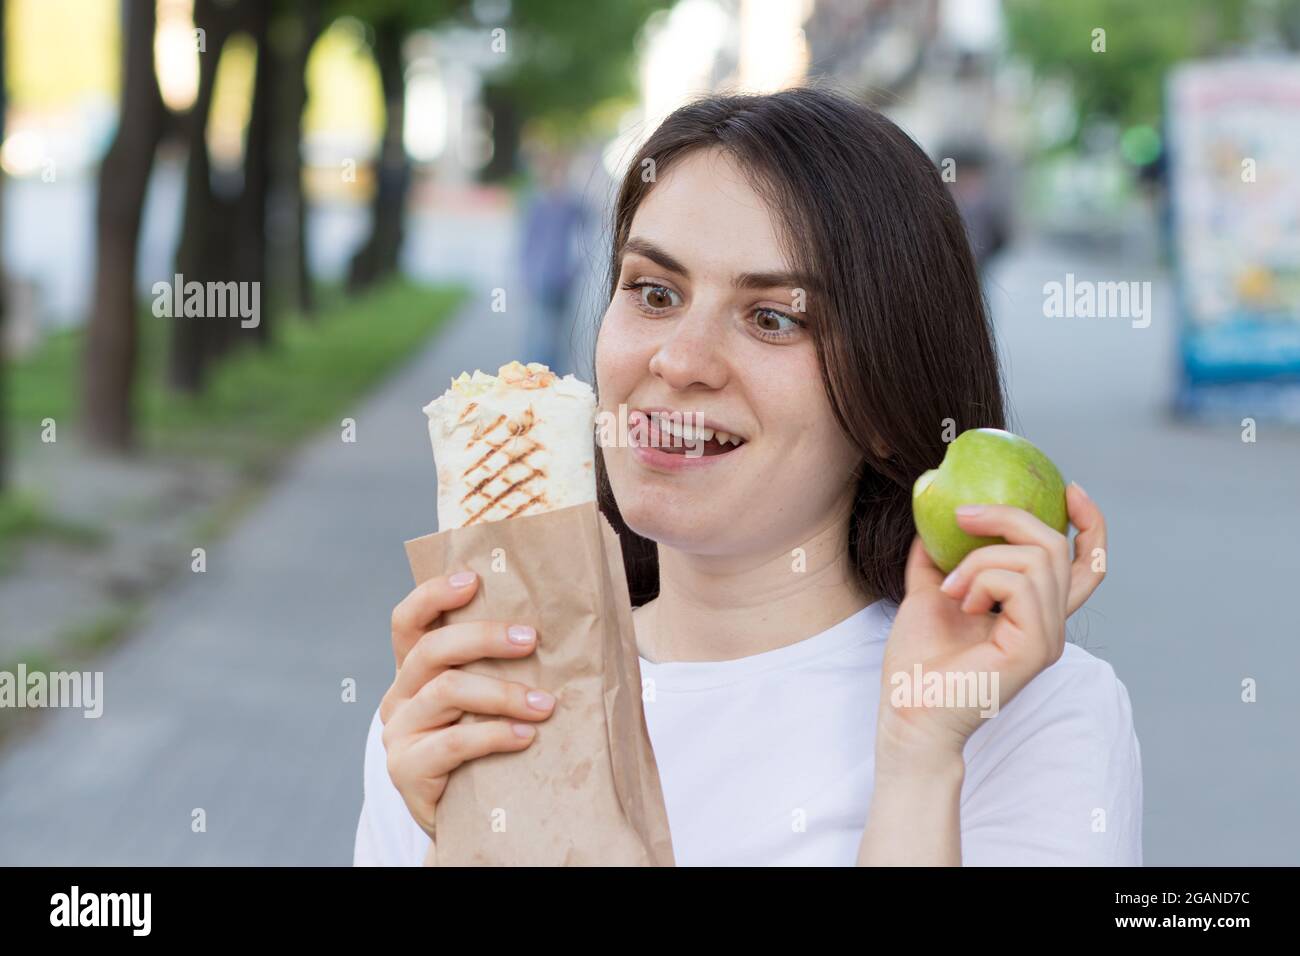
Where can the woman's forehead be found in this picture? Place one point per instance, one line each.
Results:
(706, 213)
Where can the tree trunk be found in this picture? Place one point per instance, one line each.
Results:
(4, 288)
(506, 130)
(378, 257)
(250, 246)
(204, 252)
(292, 38)
(110, 350)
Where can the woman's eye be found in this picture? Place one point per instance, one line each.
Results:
(769, 320)
(657, 296)
(652, 296)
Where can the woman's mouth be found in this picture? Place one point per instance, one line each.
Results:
(673, 440)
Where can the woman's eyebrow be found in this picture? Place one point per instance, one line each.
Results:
(745, 280)
(657, 255)
(773, 280)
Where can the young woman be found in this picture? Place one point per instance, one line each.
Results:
(791, 267)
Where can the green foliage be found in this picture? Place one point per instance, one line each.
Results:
(412, 14)
(18, 515)
(562, 65)
(24, 516)
(43, 384)
(1143, 41)
(100, 632)
(562, 59)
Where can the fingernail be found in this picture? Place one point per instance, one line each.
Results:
(970, 511)
(540, 700)
(462, 579)
(520, 634)
(948, 581)
(1080, 487)
(523, 730)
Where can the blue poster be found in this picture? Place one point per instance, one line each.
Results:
(1234, 181)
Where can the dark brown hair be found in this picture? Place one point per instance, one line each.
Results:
(902, 335)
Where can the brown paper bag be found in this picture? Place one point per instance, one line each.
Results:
(586, 791)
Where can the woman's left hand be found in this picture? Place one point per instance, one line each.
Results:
(946, 625)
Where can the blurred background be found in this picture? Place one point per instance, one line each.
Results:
(210, 511)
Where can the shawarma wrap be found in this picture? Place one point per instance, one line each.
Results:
(516, 443)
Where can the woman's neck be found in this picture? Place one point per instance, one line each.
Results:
(714, 608)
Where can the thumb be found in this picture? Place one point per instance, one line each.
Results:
(921, 571)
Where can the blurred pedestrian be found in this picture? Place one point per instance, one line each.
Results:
(980, 190)
(552, 227)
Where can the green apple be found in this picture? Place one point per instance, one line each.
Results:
(984, 466)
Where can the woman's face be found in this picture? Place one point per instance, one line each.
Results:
(709, 320)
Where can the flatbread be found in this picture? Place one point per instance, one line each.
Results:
(520, 442)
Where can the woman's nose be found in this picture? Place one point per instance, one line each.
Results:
(691, 354)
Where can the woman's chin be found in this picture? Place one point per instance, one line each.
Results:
(657, 507)
(680, 528)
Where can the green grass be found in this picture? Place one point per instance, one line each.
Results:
(225, 513)
(98, 633)
(24, 516)
(43, 384)
(256, 401)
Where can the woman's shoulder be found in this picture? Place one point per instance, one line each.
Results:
(1056, 776)
(1080, 671)
(1079, 699)
(1081, 677)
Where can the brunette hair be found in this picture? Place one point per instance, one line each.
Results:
(903, 339)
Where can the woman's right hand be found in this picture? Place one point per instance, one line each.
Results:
(421, 709)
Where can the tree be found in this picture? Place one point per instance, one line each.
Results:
(4, 424)
(377, 257)
(271, 210)
(108, 363)
(228, 233)
(294, 31)
(250, 224)
(559, 67)
(1125, 83)
(391, 21)
(207, 238)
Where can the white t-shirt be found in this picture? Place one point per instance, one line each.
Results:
(770, 760)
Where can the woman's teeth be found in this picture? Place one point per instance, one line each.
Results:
(688, 432)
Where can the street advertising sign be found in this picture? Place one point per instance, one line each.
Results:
(1234, 181)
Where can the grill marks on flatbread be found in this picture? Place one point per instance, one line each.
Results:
(517, 448)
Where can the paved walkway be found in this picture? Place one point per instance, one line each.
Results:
(230, 698)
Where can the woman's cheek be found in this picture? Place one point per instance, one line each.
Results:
(824, 459)
(602, 348)
(618, 365)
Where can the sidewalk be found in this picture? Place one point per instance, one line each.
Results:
(229, 699)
